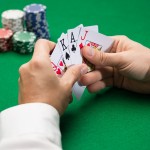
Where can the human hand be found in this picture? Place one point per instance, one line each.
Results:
(126, 66)
(39, 83)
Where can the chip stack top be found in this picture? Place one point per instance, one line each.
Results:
(35, 20)
(35, 8)
(13, 20)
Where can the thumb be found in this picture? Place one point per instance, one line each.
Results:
(99, 58)
(73, 73)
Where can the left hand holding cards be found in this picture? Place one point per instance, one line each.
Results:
(39, 83)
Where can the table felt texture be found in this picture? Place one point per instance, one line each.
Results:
(111, 119)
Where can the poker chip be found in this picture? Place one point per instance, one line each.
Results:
(23, 42)
(13, 20)
(35, 20)
(21, 37)
(5, 39)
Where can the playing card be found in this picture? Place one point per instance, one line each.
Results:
(73, 35)
(92, 28)
(76, 58)
(64, 47)
(78, 90)
(75, 54)
(94, 40)
(67, 51)
(57, 61)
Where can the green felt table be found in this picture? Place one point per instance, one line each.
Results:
(111, 119)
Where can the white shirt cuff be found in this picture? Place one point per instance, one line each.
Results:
(31, 118)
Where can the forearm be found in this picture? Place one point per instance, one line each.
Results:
(27, 126)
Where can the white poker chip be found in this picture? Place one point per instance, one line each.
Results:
(13, 19)
(13, 14)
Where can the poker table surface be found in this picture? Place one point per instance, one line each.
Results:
(113, 118)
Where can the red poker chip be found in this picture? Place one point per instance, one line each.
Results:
(5, 38)
(5, 33)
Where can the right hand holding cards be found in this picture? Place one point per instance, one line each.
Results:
(67, 50)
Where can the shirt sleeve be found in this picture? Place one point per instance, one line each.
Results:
(30, 126)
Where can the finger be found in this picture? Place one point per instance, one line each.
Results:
(73, 74)
(99, 58)
(23, 70)
(96, 75)
(41, 58)
(42, 49)
(121, 43)
(100, 85)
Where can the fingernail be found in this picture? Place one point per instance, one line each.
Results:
(84, 70)
(90, 51)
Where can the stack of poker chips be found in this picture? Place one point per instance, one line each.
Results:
(18, 37)
(35, 20)
(13, 20)
(23, 42)
(5, 39)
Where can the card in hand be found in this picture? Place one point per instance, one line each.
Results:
(73, 35)
(57, 61)
(67, 50)
(95, 40)
(75, 54)
(92, 28)
(78, 90)
(76, 58)
(64, 47)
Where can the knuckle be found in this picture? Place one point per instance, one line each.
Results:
(73, 75)
(66, 86)
(73, 72)
(84, 80)
(123, 37)
(102, 58)
(41, 41)
(23, 68)
(90, 89)
(36, 63)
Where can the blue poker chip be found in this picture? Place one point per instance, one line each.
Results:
(35, 28)
(34, 24)
(32, 16)
(43, 29)
(35, 8)
(35, 20)
(40, 33)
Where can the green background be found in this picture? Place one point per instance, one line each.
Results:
(112, 119)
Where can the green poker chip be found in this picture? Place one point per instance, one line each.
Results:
(23, 42)
(24, 36)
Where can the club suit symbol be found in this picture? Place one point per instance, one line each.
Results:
(73, 48)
